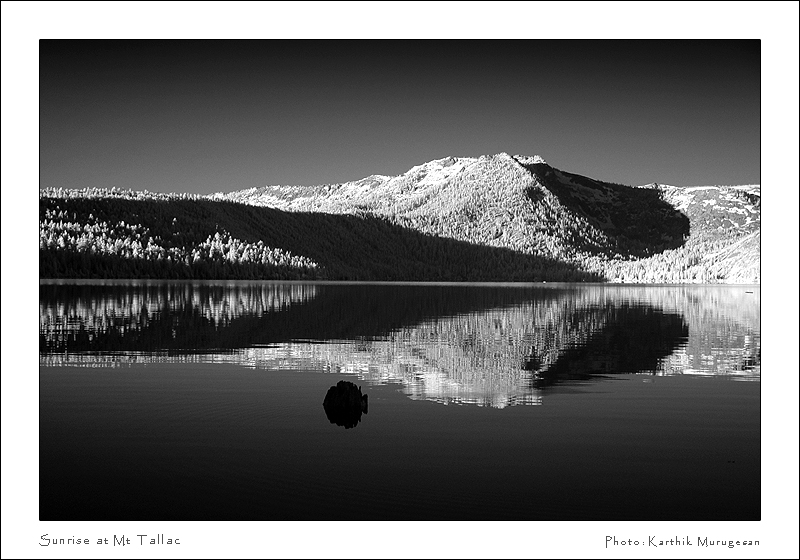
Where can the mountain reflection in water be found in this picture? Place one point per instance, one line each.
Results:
(488, 345)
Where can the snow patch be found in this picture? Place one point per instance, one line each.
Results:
(439, 170)
(582, 191)
(530, 160)
(681, 200)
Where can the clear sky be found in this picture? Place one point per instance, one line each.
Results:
(222, 115)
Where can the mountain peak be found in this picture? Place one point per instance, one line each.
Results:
(530, 160)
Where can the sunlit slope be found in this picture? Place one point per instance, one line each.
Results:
(491, 200)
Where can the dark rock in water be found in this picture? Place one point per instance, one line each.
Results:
(344, 404)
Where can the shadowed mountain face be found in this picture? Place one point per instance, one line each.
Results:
(638, 220)
(467, 344)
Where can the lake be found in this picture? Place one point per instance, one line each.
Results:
(179, 400)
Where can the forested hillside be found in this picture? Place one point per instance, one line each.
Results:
(492, 218)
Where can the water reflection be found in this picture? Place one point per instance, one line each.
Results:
(155, 317)
(633, 339)
(454, 344)
(499, 357)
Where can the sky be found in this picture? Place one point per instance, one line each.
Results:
(220, 115)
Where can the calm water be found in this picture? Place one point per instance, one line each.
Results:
(190, 400)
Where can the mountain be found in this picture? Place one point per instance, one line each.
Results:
(520, 202)
(497, 217)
